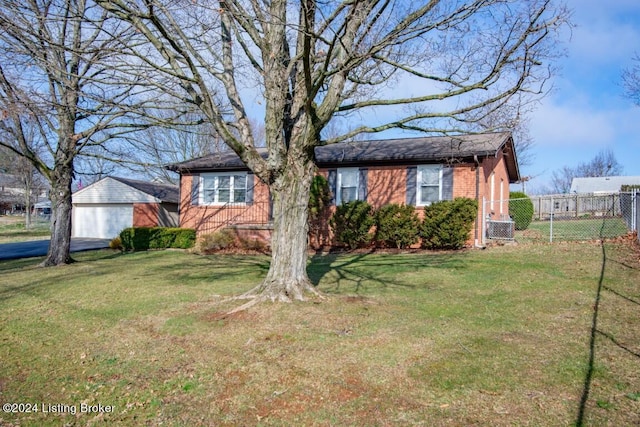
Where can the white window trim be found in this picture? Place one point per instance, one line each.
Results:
(492, 190)
(419, 183)
(339, 173)
(501, 196)
(201, 199)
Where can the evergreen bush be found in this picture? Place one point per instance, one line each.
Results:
(319, 211)
(397, 226)
(520, 209)
(143, 238)
(447, 224)
(352, 222)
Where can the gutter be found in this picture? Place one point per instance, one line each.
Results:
(477, 243)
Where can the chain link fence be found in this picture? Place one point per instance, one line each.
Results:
(562, 217)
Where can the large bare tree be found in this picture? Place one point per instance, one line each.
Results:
(56, 76)
(434, 66)
(604, 163)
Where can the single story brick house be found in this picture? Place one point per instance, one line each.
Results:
(218, 190)
(106, 207)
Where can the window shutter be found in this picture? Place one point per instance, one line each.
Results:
(251, 182)
(412, 181)
(195, 189)
(362, 184)
(447, 183)
(332, 178)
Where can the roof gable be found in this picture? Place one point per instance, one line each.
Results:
(162, 192)
(123, 190)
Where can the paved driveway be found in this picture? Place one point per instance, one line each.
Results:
(39, 247)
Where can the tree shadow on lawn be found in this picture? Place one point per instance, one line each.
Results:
(362, 268)
(23, 264)
(50, 277)
(224, 268)
(596, 331)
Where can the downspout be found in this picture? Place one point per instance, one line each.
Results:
(480, 207)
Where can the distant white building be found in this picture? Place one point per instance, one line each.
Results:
(602, 185)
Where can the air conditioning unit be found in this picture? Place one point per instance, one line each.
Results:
(501, 230)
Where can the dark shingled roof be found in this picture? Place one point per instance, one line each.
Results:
(168, 193)
(227, 160)
(430, 149)
(425, 149)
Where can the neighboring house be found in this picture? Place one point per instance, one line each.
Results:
(108, 206)
(218, 191)
(602, 185)
(12, 194)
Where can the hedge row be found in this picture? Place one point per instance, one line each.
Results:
(446, 224)
(143, 238)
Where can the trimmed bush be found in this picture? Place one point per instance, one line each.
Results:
(397, 226)
(520, 209)
(319, 212)
(143, 238)
(447, 224)
(352, 222)
(319, 197)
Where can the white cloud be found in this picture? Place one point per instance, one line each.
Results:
(554, 124)
(604, 31)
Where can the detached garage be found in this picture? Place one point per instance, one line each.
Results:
(105, 208)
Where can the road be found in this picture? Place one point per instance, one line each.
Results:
(37, 248)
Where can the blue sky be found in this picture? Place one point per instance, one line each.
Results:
(586, 111)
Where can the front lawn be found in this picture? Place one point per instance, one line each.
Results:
(514, 335)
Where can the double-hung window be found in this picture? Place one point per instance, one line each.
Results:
(429, 188)
(347, 185)
(220, 188)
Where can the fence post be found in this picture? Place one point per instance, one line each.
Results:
(634, 210)
(551, 221)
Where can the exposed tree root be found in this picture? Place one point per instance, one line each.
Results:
(51, 263)
(276, 292)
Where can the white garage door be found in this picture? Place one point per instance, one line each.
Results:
(103, 221)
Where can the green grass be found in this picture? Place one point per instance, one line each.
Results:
(495, 337)
(574, 229)
(12, 229)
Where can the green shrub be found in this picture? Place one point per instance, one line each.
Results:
(397, 226)
(520, 209)
(143, 238)
(319, 204)
(319, 197)
(352, 222)
(447, 224)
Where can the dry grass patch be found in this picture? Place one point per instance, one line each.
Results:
(496, 337)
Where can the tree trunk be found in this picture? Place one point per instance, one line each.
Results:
(27, 206)
(287, 278)
(60, 245)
